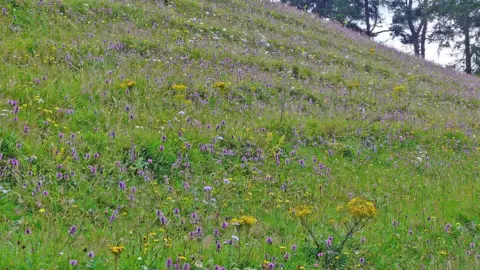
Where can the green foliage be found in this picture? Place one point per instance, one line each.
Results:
(148, 125)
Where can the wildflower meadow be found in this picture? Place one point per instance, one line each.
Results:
(239, 134)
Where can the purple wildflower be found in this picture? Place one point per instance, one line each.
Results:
(269, 241)
(169, 263)
(73, 230)
(122, 185)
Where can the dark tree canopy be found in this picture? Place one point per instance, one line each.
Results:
(458, 27)
(452, 24)
(359, 15)
(410, 22)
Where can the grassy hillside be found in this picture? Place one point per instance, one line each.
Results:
(227, 133)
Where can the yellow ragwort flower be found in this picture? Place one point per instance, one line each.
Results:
(302, 211)
(249, 220)
(361, 209)
(244, 220)
(130, 83)
(117, 250)
(220, 85)
(179, 87)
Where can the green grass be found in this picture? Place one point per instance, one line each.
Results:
(343, 116)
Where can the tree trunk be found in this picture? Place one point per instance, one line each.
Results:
(414, 32)
(367, 18)
(423, 38)
(416, 44)
(467, 52)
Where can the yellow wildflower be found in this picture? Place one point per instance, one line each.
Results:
(244, 220)
(361, 209)
(301, 211)
(127, 83)
(42, 210)
(220, 85)
(117, 250)
(130, 83)
(179, 87)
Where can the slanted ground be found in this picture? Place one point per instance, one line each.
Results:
(227, 134)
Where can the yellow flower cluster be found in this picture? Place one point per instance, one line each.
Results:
(220, 85)
(127, 83)
(179, 87)
(301, 211)
(361, 209)
(117, 250)
(244, 220)
(399, 89)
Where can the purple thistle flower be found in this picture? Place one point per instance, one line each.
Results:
(14, 162)
(73, 262)
(186, 266)
(362, 260)
(294, 247)
(169, 263)
(91, 255)
(271, 265)
(113, 216)
(28, 231)
(73, 230)
(269, 241)
(163, 220)
(301, 162)
(122, 185)
(207, 189)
